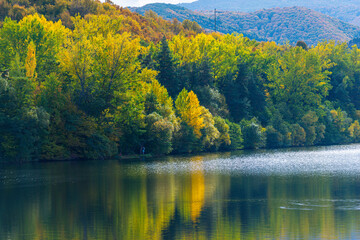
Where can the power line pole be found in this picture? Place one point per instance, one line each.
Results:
(215, 18)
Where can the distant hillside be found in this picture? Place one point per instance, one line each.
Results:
(250, 6)
(277, 24)
(170, 11)
(345, 10)
(290, 24)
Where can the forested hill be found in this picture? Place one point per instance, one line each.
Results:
(347, 10)
(150, 27)
(171, 11)
(250, 6)
(109, 82)
(277, 24)
(289, 24)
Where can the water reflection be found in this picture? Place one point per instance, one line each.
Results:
(185, 198)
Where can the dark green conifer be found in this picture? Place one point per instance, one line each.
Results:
(165, 67)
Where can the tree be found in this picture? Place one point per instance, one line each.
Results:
(188, 107)
(314, 130)
(274, 139)
(299, 79)
(23, 127)
(354, 130)
(298, 135)
(253, 133)
(212, 99)
(30, 62)
(159, 134)
(302, 44)
(224, 140)
(209, 133)
(205, 78)
(165, 67)
(237, 94)
(236, 136)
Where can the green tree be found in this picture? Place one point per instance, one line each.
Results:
(253, 134)
(166, 69)
(159, 134)
(300, 80)
(274, 139)
(224, 140)
(236, 136)
(298, 135)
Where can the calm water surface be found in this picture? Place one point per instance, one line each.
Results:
(311, 193)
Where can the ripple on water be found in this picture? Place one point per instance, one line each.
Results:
(335, 160)
(316, 204)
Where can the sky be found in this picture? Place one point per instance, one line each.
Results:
(139, 3)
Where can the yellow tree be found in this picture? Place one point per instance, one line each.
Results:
(30, 66)
(190, 111)
(354, 130)
(35, 41)
(30, 63)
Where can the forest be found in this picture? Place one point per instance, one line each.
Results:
(281, 25)
(105, 82)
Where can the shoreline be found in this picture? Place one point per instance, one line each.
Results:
(132, 157)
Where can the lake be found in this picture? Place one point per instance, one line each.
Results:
(307, 193)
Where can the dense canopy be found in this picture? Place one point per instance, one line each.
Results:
(96, 82)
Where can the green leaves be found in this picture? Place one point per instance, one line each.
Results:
(299, 78)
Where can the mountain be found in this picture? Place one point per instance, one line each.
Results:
(345, 10)
(171, 11)
(276, 24)
(250, 6)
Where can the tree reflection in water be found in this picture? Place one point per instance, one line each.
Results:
(113, 200)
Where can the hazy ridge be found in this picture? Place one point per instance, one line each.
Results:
(276, 24)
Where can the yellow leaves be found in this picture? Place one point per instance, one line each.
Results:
(339, 118)
(185, 49)
(354, 130)
(31, 36)
(195, 112)
(98, 56)
(161, 93)
(30, 62)
(190, 111)
(223, 51)
(54, 31)
(197, 188)
(334, 113)
(116, 57)
(280, 62)
(267, 94)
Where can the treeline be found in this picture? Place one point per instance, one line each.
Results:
(101, 88)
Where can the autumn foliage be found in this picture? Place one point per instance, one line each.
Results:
(106, 82)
